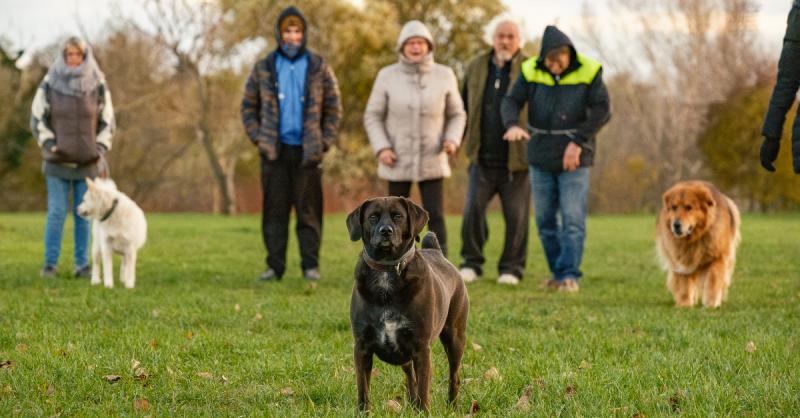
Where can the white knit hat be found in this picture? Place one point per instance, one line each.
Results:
(414, 29)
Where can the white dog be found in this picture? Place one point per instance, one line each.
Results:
(118, 225)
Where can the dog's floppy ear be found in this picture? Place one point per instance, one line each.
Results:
(354, 222)
(89, 182)
(707, 198)
(417, 217)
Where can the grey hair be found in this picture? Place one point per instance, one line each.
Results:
(491, 27)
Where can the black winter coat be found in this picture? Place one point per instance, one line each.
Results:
(571, 107)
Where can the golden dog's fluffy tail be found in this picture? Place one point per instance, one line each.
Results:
(430, 241)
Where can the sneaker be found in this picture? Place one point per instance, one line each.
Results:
(569, 285)
(83, 272)
(507, 278)
(268, 276)
(312, 275)
(468, 274)
(48, 272)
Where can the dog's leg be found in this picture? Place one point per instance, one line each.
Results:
(422, 369)
(715, 284)
(97, 255)
(129, 261)
(684, 288)
(453, 343)
(411, 382)
(363, 362)
(108, 272)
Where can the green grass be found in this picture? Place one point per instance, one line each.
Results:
(619, 344)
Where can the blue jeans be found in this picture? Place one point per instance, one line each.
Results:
(58, 191)
(559, 201)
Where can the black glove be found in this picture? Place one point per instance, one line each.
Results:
(769, 152)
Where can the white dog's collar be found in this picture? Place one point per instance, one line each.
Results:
(110, 211)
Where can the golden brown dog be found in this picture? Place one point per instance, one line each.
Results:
(696, 238)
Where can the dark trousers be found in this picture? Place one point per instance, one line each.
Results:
(432, 193)
(514, 189)
(286, 184)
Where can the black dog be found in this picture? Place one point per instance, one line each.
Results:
(404, 298)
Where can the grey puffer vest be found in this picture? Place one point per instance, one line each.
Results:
(74, 121)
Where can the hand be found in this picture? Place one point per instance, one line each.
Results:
(450, 148)
(769, 152)
(387, 157)
(263, 148)
(515, 133)
(572, 157)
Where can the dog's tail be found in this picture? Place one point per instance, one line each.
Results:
(430, 241)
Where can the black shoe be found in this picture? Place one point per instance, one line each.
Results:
(83, 272)
(268, 276)
(48, 272)
(312, 275)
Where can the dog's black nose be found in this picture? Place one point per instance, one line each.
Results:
(676, 226)
(385, 230)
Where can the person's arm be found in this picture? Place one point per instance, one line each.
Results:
(106, 124)
(513, 102)
(375, 116)
(250, 108)
(331, 108)
(598, 108)
(455, 115)
(40, 118)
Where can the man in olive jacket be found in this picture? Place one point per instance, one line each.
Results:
(783, 96)
(568, 103)
(291, 110)
(497, 166)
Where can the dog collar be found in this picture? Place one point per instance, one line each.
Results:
(396, 266)
(110, 211)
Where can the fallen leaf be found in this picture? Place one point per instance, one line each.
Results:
(50, 389)
(189, 335)
(539, 383)
(7, 364)
(473, 409)
(524, 401)
(154, 313)
(258, 317)
(348, 369)
(476, 347)
(375, 372)
(237, 308)
(135, 364)
(512, 349)
(6, 389)
(287, 391)
(676, 399)
(310, 288)
(111, 378)
(584, 365)
(205, 375)
(750, 347)
(21, 348)
(141, 405)
(153, 344)
(638, 415)
(468, 380)
(394, 406)
(224, 379)
(570, 391)
(492, 374)
(140, 374)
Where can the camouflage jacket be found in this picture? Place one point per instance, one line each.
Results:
(322, 110)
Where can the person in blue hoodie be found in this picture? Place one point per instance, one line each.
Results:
(568, 103)
(291, 111)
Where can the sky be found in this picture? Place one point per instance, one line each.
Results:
(34, 23)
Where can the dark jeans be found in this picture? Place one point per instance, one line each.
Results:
(58, 206)
(559, 200)
(515, 197)
(432, 201)
(285, 184)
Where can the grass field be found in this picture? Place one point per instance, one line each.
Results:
(210, 341)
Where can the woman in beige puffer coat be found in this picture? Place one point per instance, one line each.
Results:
(414, 119)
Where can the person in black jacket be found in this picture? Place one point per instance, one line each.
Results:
(783, 96)
(567, 105)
